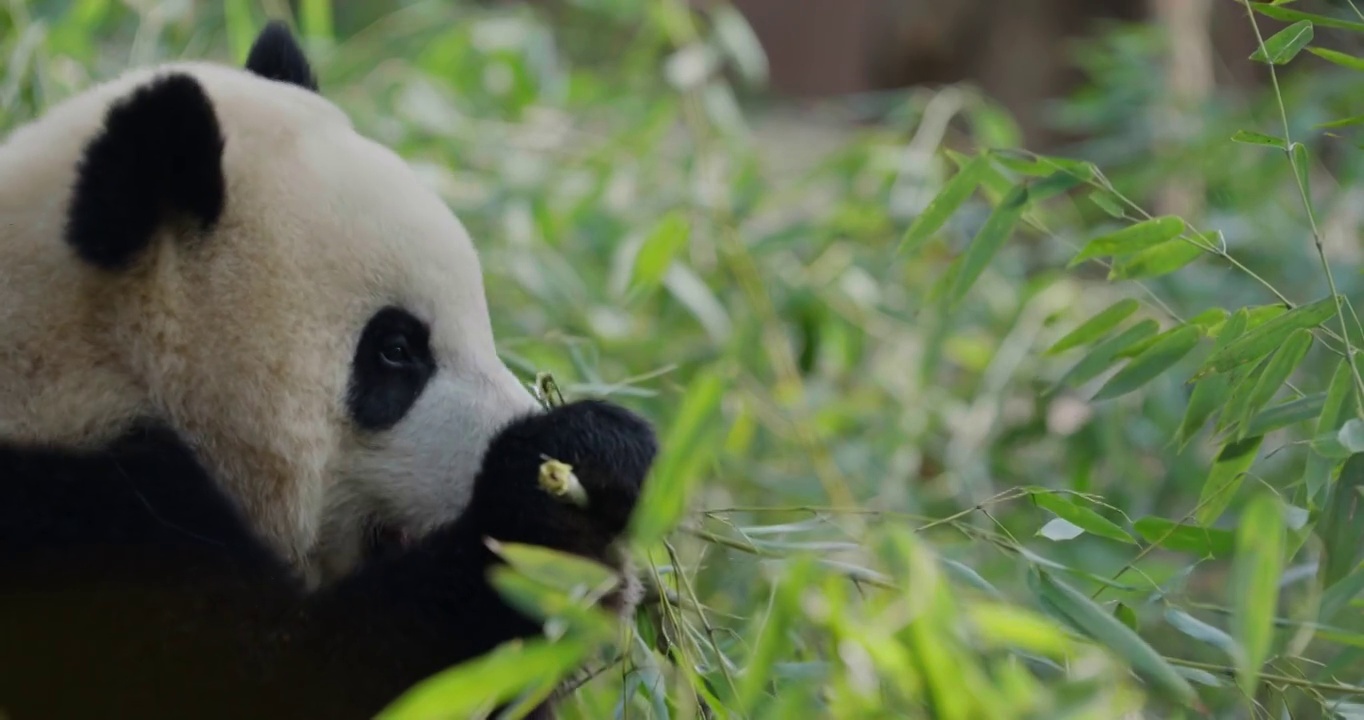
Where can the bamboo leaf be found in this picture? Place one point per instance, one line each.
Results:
(1262, 340)
(1338, 595)
(1254, 138)
(1210, 393)
(1255, 571)
(1131, 239)
(1227, 472)
(660, 248)
(1111, 633)
(476, 687)
(1105, 353)
(1283, 14)
(1082, 517)
(1201, 541)
(1058, 183)
(1339, 399)
(1337, 57)
(1060, 529)
(1284, 414)
(1201, 631)
(686, 449)
(997, 228)
(1341, 526)
(1284, 45)
(1095, 327)
(1104, 202)
(1162, 259)
(1281, 365)
(772, 633)
(1150, 363)
(949, 199)
(1351, 121)
(1243, 380)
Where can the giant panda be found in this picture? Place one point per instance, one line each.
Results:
(255, 436)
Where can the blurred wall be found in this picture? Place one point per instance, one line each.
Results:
(1015, 50)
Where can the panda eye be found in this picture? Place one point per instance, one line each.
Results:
(395, 353)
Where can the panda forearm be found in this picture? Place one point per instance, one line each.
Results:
(129, 570)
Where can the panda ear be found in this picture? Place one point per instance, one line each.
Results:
(276, 56)
(158, 158)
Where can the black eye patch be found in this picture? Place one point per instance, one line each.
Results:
(391, 367)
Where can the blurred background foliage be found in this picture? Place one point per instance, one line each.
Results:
(896, 506)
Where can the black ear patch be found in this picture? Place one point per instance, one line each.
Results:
(276, 56)
(159, 155)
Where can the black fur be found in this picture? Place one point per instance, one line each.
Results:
(133, 589)
(275, 55)
(158, 156)
(391, 367)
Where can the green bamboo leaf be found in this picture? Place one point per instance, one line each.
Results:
(1126, 616)
(241, 28)
(1057, 183)
(949, 199)
(1095, 327)
(1104, 202)
(1162, 259)
(1339, 399)
(997, 228)
(1044, 165)
(1281, 365)
(1254, 138)
(1284, 45)
(660, 248)
(476, 687)
(1210, 393)
(1337, 57)
(1210, 320)
(1284, 414)
(1341, 526)
(1338, 408)
(1180, 537)
(1087, 617)
(1150, 363)
(1262, 340)
(1338, 595)
(1351, 435)
(686, 448)
(1242, 381)
(1351, 121)
(554, 568)
(1233, 328)
(1255, 571)
(315, 20)
(1131, 239)
(1081, 517)
(1228, 470)
(1201, 631)
(772, 631)
(1105, 353)
(1283, 14)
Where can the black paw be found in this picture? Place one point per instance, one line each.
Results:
(610, 450)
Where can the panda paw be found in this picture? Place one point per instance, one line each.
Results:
(608, 451)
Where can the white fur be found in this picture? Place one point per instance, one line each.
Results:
(243, 341)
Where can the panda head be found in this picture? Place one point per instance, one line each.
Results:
(218, 250)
